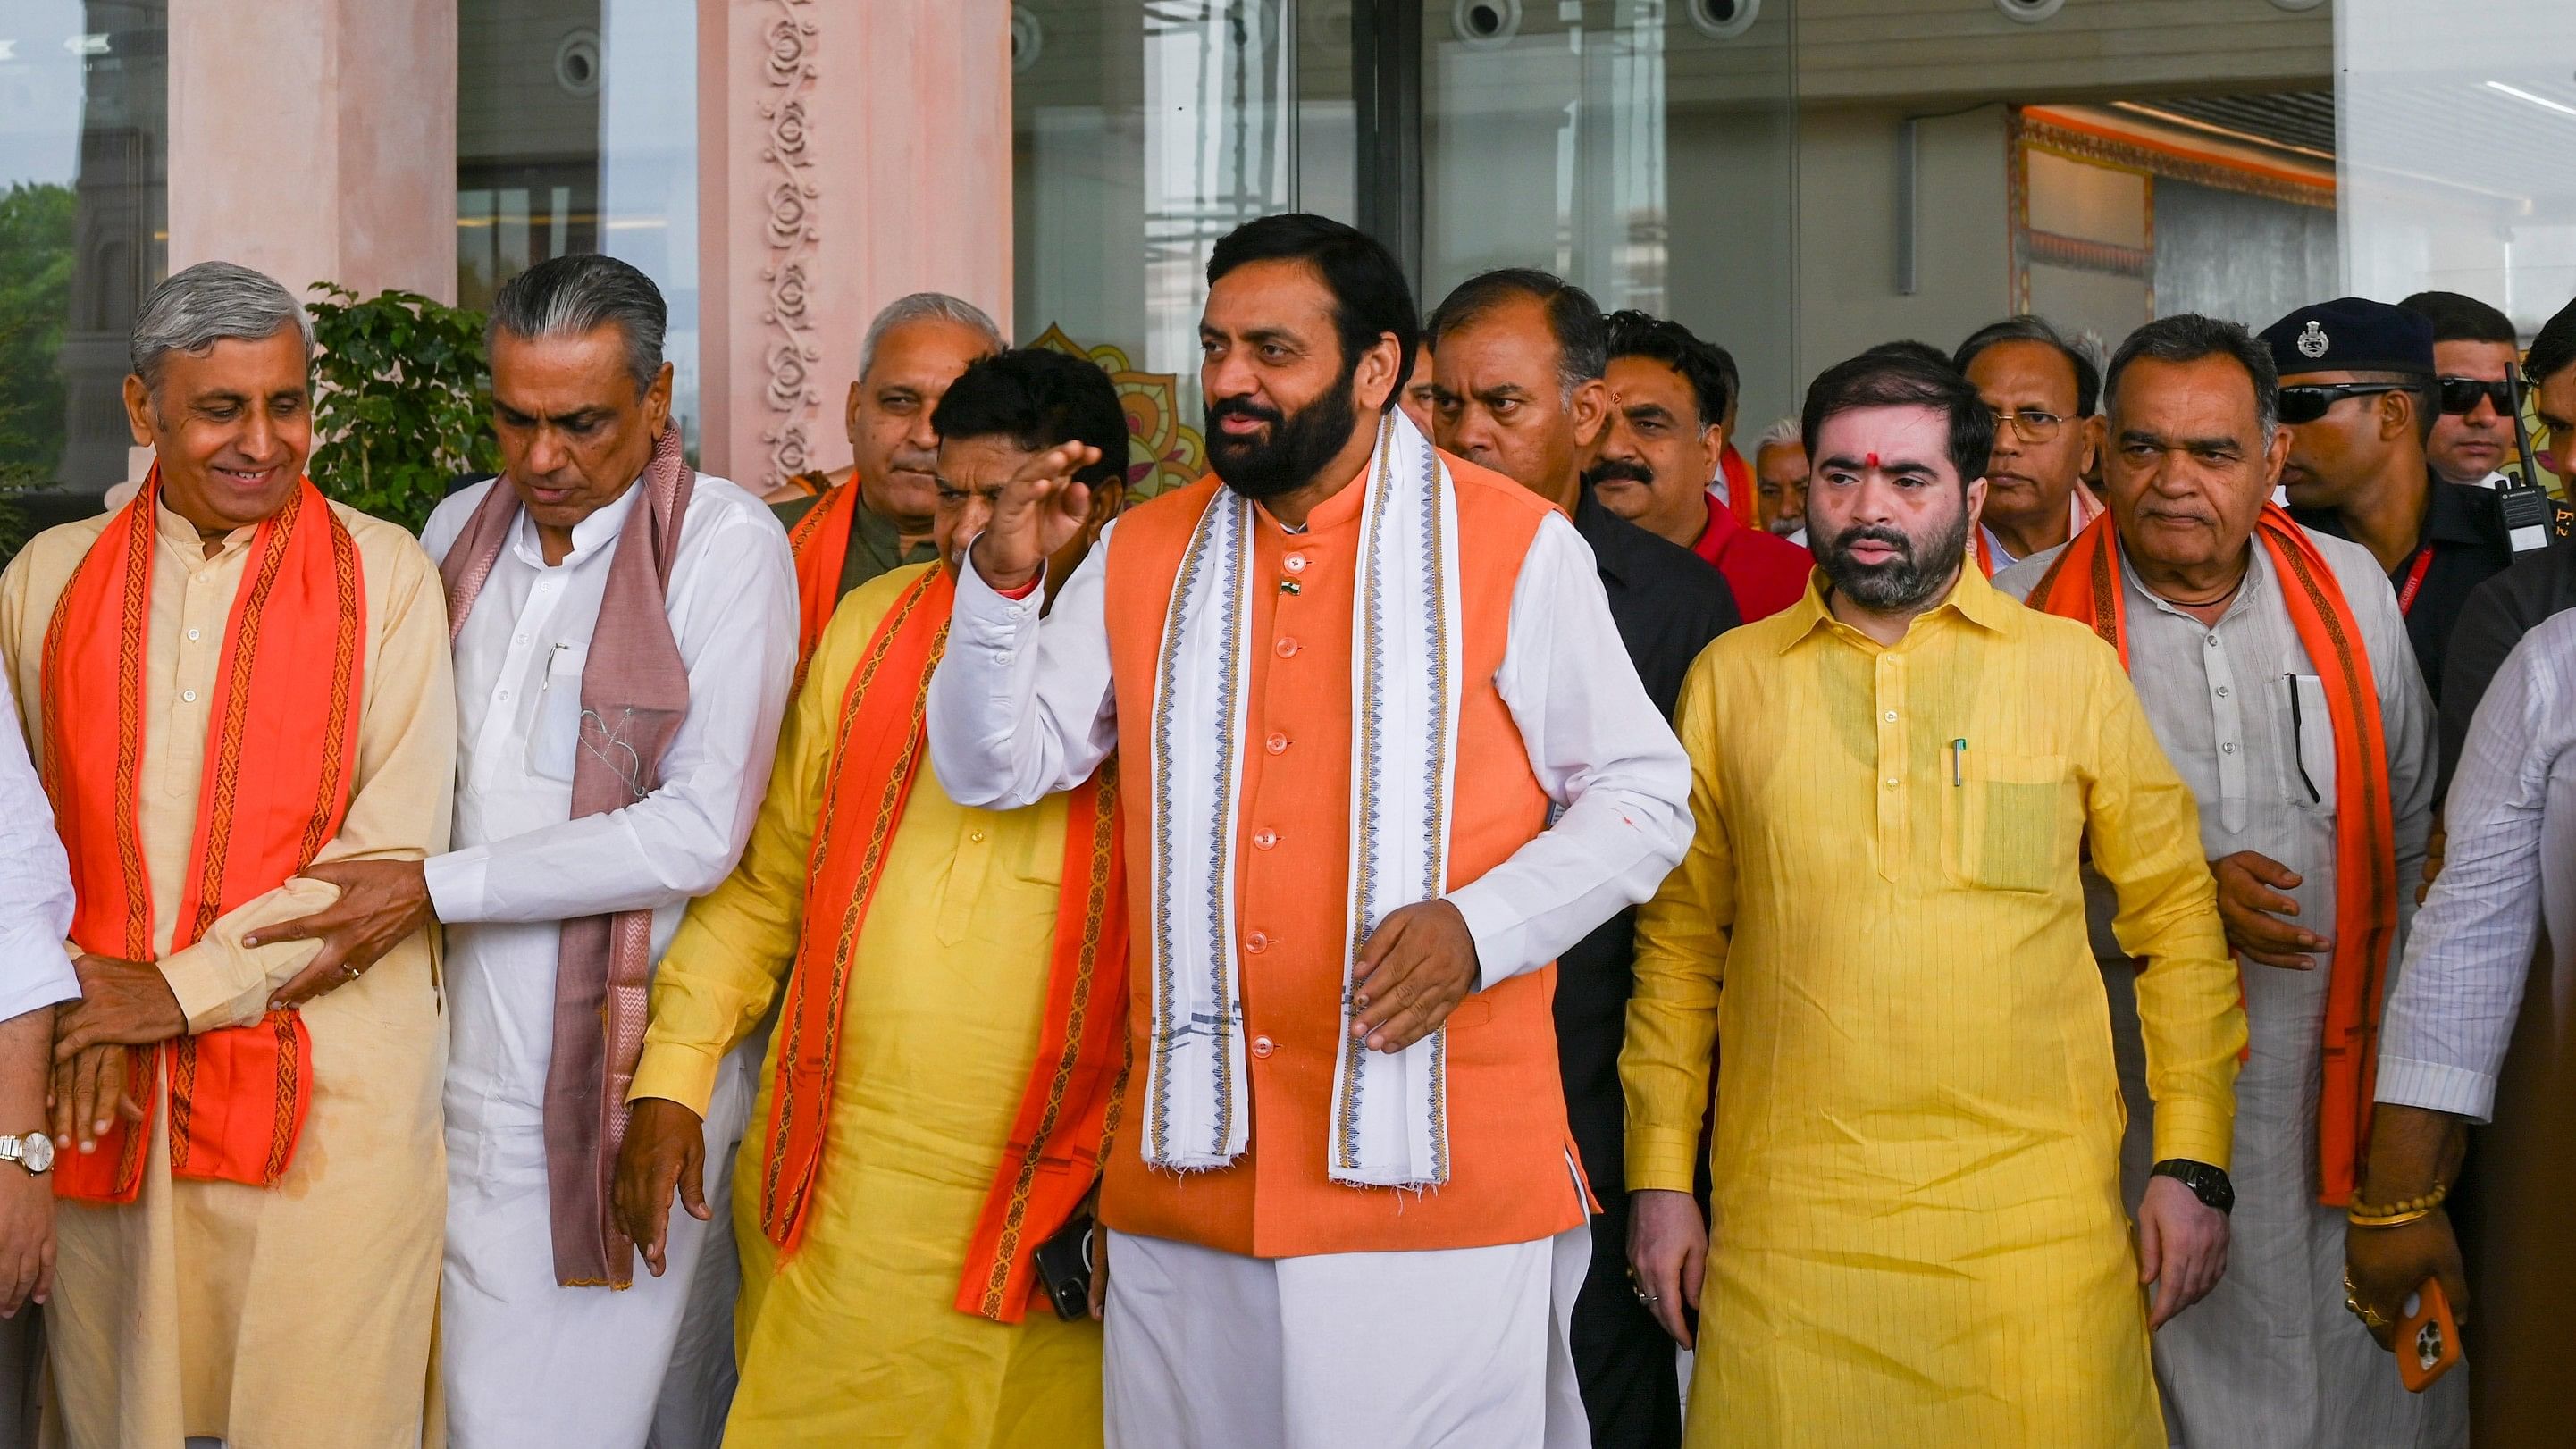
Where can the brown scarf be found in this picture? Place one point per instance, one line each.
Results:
(634, 693)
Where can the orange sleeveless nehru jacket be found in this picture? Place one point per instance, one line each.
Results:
(1511, 1180)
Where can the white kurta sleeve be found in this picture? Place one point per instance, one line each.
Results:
(35, 882)
(733, 611)
(1020, 706)
(1600, 749)
(2451, 1012)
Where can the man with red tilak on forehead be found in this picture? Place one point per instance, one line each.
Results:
(231, 683)
(1915, 1235)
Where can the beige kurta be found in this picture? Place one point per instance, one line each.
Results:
(298, 1315)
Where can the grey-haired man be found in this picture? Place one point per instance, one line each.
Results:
(232, 683)
(849, 526)
(624, 630)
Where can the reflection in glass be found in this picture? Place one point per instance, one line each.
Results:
(576, 131)
(1642, 149)
(2459, 166)
(1144, 130)
(83, 226)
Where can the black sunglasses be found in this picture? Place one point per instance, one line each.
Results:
(2461, 394)
(2308, 401)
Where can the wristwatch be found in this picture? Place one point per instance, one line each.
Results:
(34, 1152)
(2207, 1183)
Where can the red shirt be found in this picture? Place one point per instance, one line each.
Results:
(1767, 572)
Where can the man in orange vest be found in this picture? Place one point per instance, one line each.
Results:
(1356, 679)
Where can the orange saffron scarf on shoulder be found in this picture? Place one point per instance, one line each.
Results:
(821, 543)
(293, 664)
(1741, 486)
(2082, 507)
(2084, 585)
(1060, 1134)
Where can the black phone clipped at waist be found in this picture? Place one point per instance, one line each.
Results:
(1064, 1264)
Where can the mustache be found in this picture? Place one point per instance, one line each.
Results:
(1244, 407)
(1845, 541)
(1617, 470)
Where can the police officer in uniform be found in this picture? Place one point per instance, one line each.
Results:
(2358, 395)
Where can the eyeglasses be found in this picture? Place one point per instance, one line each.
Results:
(2029, 425)
(2308, 402)
(2461, 394)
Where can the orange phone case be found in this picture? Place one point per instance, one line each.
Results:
(2428, 1341)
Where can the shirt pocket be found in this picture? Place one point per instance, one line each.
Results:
(2008, 821)
(2307, 731)
(554, 732)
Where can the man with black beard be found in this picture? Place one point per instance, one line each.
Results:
(1920, 1237)
(1356, 680)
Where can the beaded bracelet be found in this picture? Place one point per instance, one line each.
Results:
(2398, 1213)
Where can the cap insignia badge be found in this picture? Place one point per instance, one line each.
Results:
(2312, 343)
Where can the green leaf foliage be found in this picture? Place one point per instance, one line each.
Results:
(35, 304)
(402, 401)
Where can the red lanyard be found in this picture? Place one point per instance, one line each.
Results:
(2414, 584)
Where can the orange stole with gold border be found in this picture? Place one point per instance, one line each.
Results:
(1065, 1116)
(293, 666)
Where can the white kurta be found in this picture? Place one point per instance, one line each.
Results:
(35, 887)
(523, 1360)
(2270, 1357)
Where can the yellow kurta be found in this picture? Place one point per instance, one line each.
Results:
(855, 1340)
(1917, 1235)
(298, 1315)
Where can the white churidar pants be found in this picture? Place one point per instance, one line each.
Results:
(1463, 1347)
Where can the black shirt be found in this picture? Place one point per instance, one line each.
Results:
(2498, 613)
(2464, 528)
(1668, 603)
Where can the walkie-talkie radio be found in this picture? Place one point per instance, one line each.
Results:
(2527, 514)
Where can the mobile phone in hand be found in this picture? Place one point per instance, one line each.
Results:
(2428, 1340)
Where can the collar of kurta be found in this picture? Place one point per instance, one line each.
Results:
(590, 536)
(186, 542)
(1971, 598)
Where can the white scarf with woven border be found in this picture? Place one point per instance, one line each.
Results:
(1389, 1125)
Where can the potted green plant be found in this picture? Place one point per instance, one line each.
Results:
(402, 401)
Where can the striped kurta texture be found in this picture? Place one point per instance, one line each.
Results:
(1917, 1231)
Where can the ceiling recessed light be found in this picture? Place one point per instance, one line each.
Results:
(2029, 12)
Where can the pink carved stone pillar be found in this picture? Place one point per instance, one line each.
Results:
(339, 163)
(849, 151)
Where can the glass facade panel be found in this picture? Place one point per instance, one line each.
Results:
(2459, 150)
(84, 93)
(1638, 148)
(1800, 179)
(576, 126)
(1141, 133)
